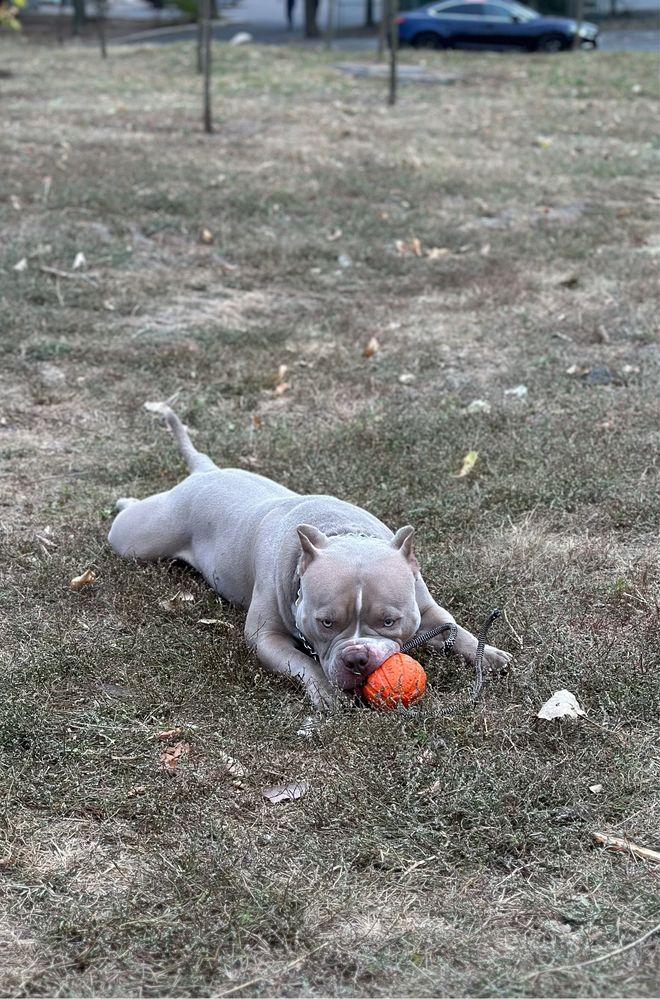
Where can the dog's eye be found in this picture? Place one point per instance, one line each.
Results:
(389, 622)
(327, 623)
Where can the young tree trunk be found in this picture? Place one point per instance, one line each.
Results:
(100, 23)
(392, 27)
(206, 63)
(369, 13)
(330, 26)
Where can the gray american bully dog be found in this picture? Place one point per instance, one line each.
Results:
(311, 571)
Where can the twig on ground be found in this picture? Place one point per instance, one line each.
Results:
(56, 273)
(621, 845)
(596, 960)
(284, 970)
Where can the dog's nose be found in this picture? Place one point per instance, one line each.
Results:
(356, 657)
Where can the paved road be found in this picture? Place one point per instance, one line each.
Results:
(272, 32)
(265, 21)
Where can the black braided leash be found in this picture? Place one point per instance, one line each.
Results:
(477, 686)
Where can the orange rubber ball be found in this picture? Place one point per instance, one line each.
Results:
(398, 680)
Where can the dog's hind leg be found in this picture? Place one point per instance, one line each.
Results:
(151, 528)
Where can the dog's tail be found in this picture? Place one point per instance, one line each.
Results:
(194, 459)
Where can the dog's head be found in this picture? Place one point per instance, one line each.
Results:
(357, 601)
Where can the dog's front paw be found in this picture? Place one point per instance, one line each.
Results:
(496, 661)
(324, 696)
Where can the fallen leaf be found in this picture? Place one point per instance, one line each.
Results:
(416, 246)
(335, 234)
(212, 621)
(282, 388)
(15, 203)
(438, 252)
(256, 421)
(308, 727)
(407, 377)
(87, 577)
(372, 348)
(155, 407)
(79, 262)
(562, 704)
(232, 766)
(596, 788)
(478, 406)
(167, 734)
(286, 792)
(170, 757)
(21, 265)
(170, 603)
(206, 236)
(281, 372)
(518, 391)
(469, 461)
(134, 792)
(577, 370)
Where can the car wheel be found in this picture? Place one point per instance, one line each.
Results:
(428, 40)
(550, 43)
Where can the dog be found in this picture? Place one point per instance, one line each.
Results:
(330, 591)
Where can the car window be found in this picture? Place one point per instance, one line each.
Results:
(495, 10)
(461, 8)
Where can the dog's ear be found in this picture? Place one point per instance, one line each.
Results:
(311, 540)
(403, 540)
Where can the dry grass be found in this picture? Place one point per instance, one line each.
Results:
(431, 856)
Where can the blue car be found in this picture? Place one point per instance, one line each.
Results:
(500, 24)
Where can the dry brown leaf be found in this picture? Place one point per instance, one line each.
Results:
(372, 348)
(232, 767)
(286, 792)
(170, 604)
(416, 246)
(212, 621)
(256, 421)
(87, 577)
(170, 757)
(167, 734)
(282, 388)
(438, 252)
(469, 461)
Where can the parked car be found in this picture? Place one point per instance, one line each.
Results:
(500, 24)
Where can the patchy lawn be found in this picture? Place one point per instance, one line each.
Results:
(497, 232)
